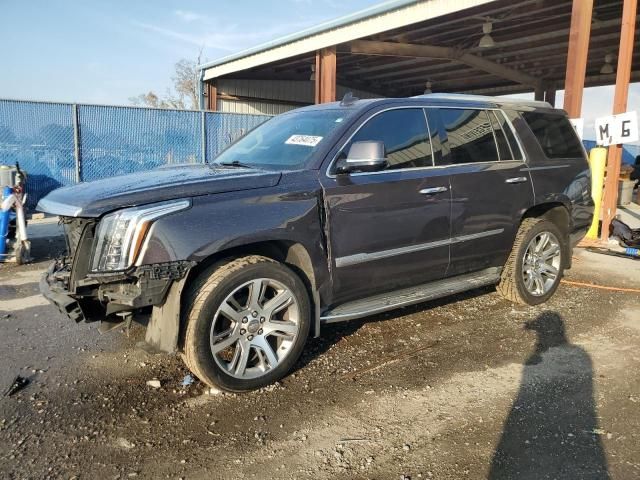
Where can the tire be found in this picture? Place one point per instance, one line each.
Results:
(253, 347)
(516, 282)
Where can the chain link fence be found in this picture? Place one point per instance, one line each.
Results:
(60, 144)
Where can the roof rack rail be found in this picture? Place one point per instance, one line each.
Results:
(485, 98)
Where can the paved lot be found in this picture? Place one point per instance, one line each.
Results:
(467, 387)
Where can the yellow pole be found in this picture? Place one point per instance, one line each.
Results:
(597, 163)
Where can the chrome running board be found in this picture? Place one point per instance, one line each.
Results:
(410, 296)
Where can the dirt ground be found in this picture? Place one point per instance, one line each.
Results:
(467, 387)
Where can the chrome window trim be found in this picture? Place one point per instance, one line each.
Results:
(357, 258)
(493, 131)
(404, 107)
(544, 167)
(523, 153)
(493, 113)
(426, 120)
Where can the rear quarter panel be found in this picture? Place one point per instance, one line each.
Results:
(566, 181)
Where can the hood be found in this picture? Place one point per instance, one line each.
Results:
(92, 199)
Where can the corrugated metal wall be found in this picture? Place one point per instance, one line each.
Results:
(271, 97)
(253, 107)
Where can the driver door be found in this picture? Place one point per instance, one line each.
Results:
(389, 229)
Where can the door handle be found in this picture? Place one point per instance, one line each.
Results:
(516, 180)
(432, 190)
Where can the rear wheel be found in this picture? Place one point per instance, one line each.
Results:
(247, 322)
(536, 263)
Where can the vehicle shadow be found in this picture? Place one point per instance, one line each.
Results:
(334, 332)
(552, 428)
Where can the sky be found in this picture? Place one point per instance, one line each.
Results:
(110, 50)
(107, 51)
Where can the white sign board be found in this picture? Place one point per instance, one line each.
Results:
(578, 125)
(616, 129)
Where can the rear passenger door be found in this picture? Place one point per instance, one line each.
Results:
(490, 187)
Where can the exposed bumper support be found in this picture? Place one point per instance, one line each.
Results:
(105, 296)
(67, 305)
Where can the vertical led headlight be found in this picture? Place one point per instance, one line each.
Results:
(120, 235)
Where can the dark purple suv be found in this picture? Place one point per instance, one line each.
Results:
(325, 214)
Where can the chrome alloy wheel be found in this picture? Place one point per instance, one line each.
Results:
(254, 328)
(541, 263)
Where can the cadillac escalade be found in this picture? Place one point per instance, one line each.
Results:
(324, 214)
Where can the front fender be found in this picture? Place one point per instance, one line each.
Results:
(216, 223)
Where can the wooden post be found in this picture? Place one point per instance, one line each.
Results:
(579, 35)
(623, 76)
(326, 75)
(212, 96)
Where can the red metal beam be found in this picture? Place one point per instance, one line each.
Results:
(621, 95)
(579, 34)
(326, 75)
(212, 96)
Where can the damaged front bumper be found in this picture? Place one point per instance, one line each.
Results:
(109, 296)
(53, 291)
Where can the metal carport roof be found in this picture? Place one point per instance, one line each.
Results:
(395, 48)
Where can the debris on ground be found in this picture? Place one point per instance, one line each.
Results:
(187, 380)
(124, 443)
(154, 383)
(627, 236)
(18, 384)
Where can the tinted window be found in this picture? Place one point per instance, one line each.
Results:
(469, 136)
(555, 134)
(507, 145)
(404, 134)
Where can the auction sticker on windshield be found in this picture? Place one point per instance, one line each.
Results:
(305, 140)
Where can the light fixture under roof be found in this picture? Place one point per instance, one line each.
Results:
(487, 40)
(313, 73)
(607, 68)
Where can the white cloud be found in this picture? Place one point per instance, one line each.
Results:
(228, 37)
(188, 16)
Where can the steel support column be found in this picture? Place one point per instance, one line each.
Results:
(325, 75)
(623, 76)
(538, 95)
(550, 96)
(579, 35)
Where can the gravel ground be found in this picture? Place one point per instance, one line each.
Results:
(466, 387)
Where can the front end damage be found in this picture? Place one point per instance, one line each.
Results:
(113, 298)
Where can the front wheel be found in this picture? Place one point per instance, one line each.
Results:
(247, 321)
(536, 263)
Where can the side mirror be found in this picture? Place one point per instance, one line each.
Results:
(366, 156)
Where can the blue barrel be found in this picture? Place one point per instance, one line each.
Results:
(4, 224)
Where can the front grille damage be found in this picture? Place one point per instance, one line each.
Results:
(73, 230)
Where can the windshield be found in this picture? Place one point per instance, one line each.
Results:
(285, 142)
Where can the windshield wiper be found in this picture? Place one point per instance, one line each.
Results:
(235, 163)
